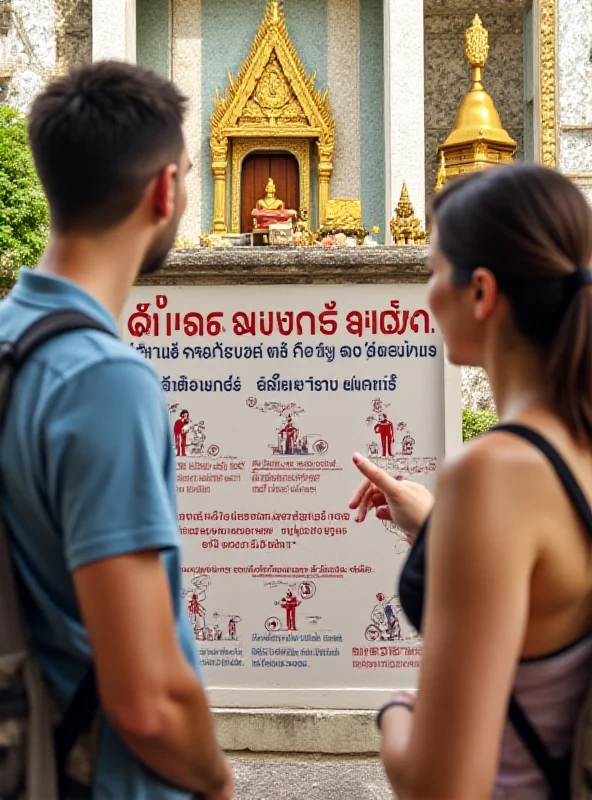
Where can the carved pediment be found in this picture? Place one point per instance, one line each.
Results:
(271, 103)
(273, 100)
(272, 94)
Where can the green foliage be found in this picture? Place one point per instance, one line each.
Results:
(24, 217)
(477, 422)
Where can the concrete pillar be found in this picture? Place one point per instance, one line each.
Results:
(186, 73)
(343, 72)
(114, 30)
(574, 85)
(404, 103)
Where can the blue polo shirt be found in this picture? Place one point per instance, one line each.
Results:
(87, 472)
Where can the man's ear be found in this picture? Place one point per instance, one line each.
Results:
(164, 192)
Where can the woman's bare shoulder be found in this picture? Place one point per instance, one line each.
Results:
(498, 455)
(497, 481)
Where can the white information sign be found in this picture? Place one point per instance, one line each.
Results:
(270, 390)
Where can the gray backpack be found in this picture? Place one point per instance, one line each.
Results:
(33, 750)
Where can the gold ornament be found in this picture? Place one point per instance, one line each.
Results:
(477, 45)
(441, 180)
(303, 236)
(478, 140)
(548, 59)
(343, 214)
(405, 226)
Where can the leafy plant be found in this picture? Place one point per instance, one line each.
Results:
(476, 422)
(24, 216)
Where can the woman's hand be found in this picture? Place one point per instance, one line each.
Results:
(404, 503)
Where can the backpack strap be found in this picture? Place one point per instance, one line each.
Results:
(556, 771)
(13, 355)
(76, 720)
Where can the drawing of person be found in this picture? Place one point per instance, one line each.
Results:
(180, 431)
(199, 438)
(394, 628)
(387, 435)
(232, 628)
(407, 631)
(197, 613)
(385, 617)
(290, 433)
(408, 445)
(290, 604)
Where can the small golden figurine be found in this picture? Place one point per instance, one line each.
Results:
(303, 236)
(270, 209)
(405, 226)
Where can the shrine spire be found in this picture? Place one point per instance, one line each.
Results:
(275, 11)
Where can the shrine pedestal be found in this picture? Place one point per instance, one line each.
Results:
(292, 265)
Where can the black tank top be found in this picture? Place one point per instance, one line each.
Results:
(412, 590)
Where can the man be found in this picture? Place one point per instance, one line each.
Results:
(289, 432)
(196, 613)
(87, 470)
(180, 431)
(290, 604)
(384, 616)
(387, 435)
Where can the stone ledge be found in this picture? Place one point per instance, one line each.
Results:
(285, 265)
(297, 731)
(308, 777)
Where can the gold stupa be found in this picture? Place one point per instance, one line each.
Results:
(478, 140)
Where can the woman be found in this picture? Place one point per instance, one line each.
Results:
(508, 588)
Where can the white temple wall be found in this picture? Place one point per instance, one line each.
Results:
(574, 107)
(27, 52)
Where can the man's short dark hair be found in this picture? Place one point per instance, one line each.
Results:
(98, 136)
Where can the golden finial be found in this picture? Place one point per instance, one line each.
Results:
(274, 10)
(478, 139)
(441, 180)
(477, 48)
(405, 226)
(405, 209)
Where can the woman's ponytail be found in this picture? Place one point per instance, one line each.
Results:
(569, 368)
(532, 228)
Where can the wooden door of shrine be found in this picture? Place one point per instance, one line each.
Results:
(256, 171)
